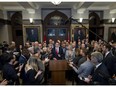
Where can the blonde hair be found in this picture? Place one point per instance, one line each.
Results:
(33, 63)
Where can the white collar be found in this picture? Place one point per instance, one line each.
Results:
(107, 53)
(98, 65)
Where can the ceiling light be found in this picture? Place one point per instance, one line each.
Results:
(31, 20)
(113, 19)
(81, 19)
(56, 2)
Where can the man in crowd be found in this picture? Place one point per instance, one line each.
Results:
(57, 52)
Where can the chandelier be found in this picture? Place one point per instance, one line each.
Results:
(56, 2)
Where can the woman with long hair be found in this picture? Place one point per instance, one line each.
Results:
(32, 71)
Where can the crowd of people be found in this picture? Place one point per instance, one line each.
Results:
(92, 62)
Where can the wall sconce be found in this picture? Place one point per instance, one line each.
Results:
(113, 19)
(31, 20)
(81, 19)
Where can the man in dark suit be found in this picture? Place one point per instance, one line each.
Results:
(109, 60)
(100, 74)
(9, 72)
(57, 52)
(64, 49)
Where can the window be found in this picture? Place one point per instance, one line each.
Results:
(51, 32)
(62, 32)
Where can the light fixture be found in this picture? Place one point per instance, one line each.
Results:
(81, 19)
(31, 20)
(56, 2)
(113, 19)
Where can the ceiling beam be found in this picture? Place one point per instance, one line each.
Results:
(86, 4)
(78, 5)
(28, 5)
(34, 5)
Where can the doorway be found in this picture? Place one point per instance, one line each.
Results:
(57, 34)
(55, 27)
(95, 26)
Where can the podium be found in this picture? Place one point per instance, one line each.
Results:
(58, 68)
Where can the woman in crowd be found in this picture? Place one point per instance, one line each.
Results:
(70, 55)
(32, 71)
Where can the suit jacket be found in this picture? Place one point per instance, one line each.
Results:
(55, 54)
(110, 62)
(10, 74)
(64, 50)
(22, 59)
(101, 75)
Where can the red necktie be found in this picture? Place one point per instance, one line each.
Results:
(56, 51)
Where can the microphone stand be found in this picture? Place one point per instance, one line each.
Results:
(71, 19)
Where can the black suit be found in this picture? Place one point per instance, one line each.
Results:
(110, 62)
(64, 50)
(55, 54)
(100, 75)
(10, 74)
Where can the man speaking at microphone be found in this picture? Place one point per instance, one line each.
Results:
(57, 52)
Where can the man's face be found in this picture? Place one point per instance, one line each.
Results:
(57, 45)
(36, 43)
(40, 45)
(104, 48)
(81, 52)
(63, 45)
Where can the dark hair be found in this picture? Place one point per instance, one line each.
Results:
(84, 51)
(9, 57)
(89, 55)
(108, 47)
(25, 53)
(6, 57)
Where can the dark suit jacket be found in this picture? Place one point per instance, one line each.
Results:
(100, 75)
(64, 50)
(9, 73)
(110, 62)
(55, 55)
(30, 77)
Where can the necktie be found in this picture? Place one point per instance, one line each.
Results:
(56, 51)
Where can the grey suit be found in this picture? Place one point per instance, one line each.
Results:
(85, 69)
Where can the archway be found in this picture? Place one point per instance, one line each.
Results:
(17, 32)
(55, 28)
(94, 25)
